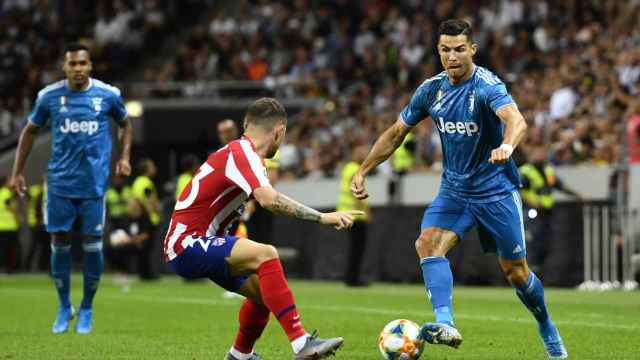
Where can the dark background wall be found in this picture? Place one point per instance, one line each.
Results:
(391, 256)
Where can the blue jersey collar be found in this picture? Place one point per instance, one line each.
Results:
(475, 68)
(66, 84)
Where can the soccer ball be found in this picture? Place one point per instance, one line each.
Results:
(399, 340)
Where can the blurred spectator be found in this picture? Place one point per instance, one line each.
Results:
(10, 221)
(129, 241)
(227, 131)
(117, 197)
(539, 181)
(40, 247)
(357, 233)
(144, 190)
(633, 133)
(189, 165)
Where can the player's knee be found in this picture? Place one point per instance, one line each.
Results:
(428, 245)
(60, 239)
(517, 275)
(267, 252)
(425, 247)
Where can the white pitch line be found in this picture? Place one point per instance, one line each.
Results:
(343, 309)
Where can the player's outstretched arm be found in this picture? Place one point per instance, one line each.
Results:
(17, 183)
(386, 144)
(125, 135)
(514, 132)
(278, 203)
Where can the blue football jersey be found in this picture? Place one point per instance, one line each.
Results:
(81, 135)
(465, 116)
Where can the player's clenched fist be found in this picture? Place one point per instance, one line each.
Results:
(357, 187)
(123, 167)
(501, 155)
(340, 219)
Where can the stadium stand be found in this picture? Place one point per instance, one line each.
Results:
(572, 76)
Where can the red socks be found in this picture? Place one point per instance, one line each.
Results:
(253, 319)
(277, 297)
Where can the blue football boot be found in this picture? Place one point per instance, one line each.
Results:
(438, 333)
(552, 340)
(85, 319)
(61, 324)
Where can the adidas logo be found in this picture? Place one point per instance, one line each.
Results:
(517, 249)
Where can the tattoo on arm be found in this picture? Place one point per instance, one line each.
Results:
(286, 206)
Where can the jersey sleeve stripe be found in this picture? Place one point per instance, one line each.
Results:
(51, 87)
(175, 235)
(505, 105)
(256, 164)
(401, 118)
(434, 78)
(216, 226)
(232, 172)
(106, 86)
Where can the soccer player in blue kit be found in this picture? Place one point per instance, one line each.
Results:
(78, 110)
(479, 126)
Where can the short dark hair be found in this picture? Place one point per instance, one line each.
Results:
(75, 47)
(455, 27)
(189, 162)
(143, 165)
(266, 113)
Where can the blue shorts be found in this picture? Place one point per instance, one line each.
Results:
(206, 257)
(499, 223)
(61, 212)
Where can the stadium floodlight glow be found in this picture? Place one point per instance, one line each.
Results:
(135, 109)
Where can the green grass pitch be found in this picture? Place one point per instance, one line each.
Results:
(170, 319)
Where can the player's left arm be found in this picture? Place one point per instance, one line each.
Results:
(498, 100)
(515, 130)
(125, 135)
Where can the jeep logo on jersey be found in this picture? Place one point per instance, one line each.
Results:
(460, 127)
(70, 126)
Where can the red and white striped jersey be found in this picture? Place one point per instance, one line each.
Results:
(211, 200)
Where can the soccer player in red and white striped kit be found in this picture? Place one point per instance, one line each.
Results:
(197, 246)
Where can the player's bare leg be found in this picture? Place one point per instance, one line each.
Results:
(530, 291)
(432, 246)
(274, 294)
(61, 273)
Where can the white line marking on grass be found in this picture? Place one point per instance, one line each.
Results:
(344, 309)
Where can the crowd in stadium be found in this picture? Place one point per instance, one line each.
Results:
(572, 67)
(33, 34)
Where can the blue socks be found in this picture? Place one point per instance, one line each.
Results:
(438, 280)
(92, 270)
(61, 272)
(532, 296)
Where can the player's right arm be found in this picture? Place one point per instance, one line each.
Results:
(384, 147)
(281, 204)
(18, 183)
(247, 171)
(391, 139)
(38, 118)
